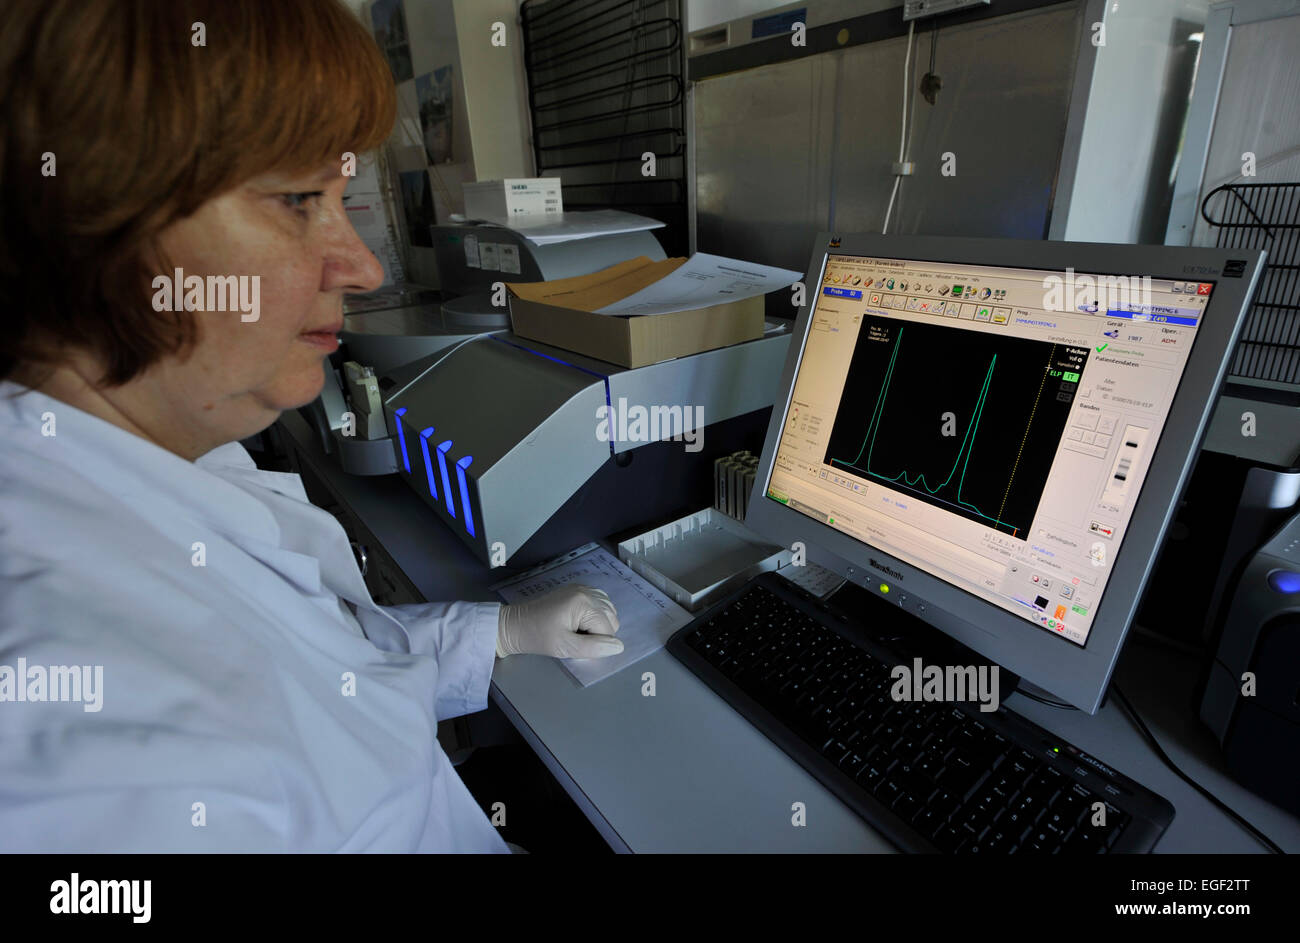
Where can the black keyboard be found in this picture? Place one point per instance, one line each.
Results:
(930, 776)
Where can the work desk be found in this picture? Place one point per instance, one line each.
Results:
(683, 772)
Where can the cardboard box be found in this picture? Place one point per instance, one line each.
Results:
(561, 313)
(520, 196)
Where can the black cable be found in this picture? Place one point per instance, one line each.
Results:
(1048, 701)
(934, 41)
(1155, 745)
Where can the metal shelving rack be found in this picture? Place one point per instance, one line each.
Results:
(1264, 216)
(605, 86)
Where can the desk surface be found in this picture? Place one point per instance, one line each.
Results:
(683, 772)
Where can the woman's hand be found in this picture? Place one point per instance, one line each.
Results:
(571, 622)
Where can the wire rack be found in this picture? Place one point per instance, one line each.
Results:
(606, 87)
(1264, 216)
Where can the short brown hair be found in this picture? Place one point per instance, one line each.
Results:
(145, 127)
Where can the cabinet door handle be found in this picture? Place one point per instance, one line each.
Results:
(363, 557)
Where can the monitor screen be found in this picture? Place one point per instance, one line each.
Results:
(989, 425)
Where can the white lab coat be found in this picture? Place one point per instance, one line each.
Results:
(224, 724)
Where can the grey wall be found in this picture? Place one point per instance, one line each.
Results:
(786, 150)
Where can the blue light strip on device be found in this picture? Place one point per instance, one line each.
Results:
(446, 482)
(428, 463)
(401, 438)
(463, 464)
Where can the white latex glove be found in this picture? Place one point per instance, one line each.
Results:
(571, 622)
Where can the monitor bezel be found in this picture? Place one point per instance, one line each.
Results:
(1078, 675)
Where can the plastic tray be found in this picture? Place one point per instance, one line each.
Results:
(699, 558)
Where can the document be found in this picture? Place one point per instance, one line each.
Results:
(646, 617)
(546, 229)
(703, 280)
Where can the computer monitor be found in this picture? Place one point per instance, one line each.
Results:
(993, 434)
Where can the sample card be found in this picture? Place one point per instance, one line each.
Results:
(647, 618)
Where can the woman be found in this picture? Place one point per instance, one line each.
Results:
(189, 660)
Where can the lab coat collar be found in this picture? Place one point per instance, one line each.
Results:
(233, 461)
(138, 472)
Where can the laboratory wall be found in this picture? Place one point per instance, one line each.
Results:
(1053, 120)
(701, 14)
(786, 150)
(462, 108)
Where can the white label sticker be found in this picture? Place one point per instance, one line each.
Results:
(471, 251)
(488, 256)
(510, 259)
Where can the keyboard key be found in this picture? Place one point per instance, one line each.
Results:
(887, 731)
(1084, 840)
(1016, 821)
(913, 782)
(1058, 818)
(1026, 759)
(997, 841)
(962, 777)
(951, 839)
(1115, 822)
(1071, 803)
(853, 763)
(974, 819)
(928, 821)
(870, 777)
(889, 790)
(1003, 788)
(905, 748)
(944, 803)
(906, 806)
(929, 764)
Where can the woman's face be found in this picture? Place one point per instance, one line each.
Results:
(292, 234)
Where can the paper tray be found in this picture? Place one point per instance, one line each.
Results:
(699, 558)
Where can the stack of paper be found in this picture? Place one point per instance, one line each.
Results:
(701, 281)
(544, 230)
